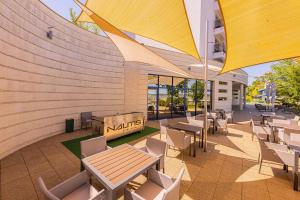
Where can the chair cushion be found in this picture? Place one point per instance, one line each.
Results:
(150, 190)
(85, 191)
(262, 130)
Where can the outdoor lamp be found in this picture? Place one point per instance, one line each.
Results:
(50, 33)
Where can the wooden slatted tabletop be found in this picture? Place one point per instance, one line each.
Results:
(117, 166)
(287, 126)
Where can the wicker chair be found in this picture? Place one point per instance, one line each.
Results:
(158, 186)
(158, 148)
(163, 128)
(179, 140)
(77, 187)
(86, 120)
(92, 146)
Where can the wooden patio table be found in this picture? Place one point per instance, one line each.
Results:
(191, 129)
(210, 119)
(115, 167)
(266, 115)
(287, 126)
(282, 125)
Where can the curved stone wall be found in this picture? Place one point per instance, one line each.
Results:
(43, 81)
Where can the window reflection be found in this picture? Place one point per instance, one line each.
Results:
(152, 96)
(174, 96)
(165, 96)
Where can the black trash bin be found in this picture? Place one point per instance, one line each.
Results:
(69, 125)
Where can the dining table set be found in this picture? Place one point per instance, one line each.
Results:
(288, 134)
(116, 167)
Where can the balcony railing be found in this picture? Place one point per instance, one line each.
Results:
(218, 23)
(219, 48)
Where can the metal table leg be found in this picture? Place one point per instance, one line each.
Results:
(202, 133)
(111, 195)
(295, 170)
(194, 144)
(158, 165)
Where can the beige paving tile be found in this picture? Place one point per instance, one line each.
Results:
(49, 176)
(228, 170)
(12, 173)
(201, 190)
(13, 159)
(255, 190)
(19, 189)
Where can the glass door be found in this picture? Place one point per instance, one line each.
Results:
(199, 90)
(152, 96)
(191, 96)
(165, 97)
(179, 100)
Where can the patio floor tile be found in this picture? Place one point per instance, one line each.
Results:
(227, 171)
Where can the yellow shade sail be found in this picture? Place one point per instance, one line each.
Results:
(259, 31)
(164, 21)
(129, 48)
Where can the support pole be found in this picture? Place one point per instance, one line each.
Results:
(205, 86)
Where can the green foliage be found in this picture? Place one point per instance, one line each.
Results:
(286, 75)
(199, 93)
(85, 25)
(162, 102)
(252, 91)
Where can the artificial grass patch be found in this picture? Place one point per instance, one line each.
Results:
(74, 144)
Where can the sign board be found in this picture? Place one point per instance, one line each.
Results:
(119, 125)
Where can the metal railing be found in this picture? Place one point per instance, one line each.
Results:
(219, 48)
(218, 23)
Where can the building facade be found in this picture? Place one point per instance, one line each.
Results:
(46, 81)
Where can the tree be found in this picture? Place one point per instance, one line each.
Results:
(85, 25)
(199, 93)
(286, 75)
(252, 91)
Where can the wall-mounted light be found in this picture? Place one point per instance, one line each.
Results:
(50, 33)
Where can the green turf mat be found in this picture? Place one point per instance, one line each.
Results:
(74, 144)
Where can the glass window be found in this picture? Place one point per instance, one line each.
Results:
(222, 99)
(165, 96)
(222, 83)
(152, 96)
(174, 96)
(222, 91)
(209, 95)
(200, 96)
(191, 96)
(179, 100)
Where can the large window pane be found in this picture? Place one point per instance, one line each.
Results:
(200, 96)
(178, 108)
(165, 96)
(152, 96)
(191, 96)
(174, 96)
(209, 95)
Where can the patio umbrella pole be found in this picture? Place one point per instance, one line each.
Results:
(205, 86)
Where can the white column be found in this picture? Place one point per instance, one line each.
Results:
(241, 97)
(205, 87)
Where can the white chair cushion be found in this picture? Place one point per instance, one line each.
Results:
(150, 190)
(85, 191)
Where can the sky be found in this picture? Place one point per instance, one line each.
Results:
(62, 7)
